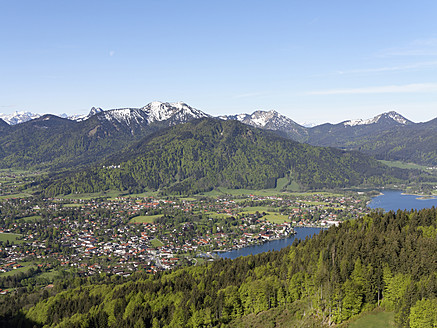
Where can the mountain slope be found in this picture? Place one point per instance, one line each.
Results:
(413, 143)
(207, 153)
(383, 120)
(155, 112)
(350, 134)
(90, 138)
(53, 142)
(18, 117)
(271, 120)
(388, 136)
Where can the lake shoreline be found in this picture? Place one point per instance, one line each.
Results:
(393, 200)
(269, 245)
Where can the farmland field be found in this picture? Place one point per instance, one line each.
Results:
(145, 218)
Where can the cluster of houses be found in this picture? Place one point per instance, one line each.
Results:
(99, 237)
(10, 266)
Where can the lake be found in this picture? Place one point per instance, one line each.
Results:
(273, 245)
(390, 200)
(393, 200)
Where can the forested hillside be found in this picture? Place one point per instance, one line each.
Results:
(413, 142)
(51, 142)
(382, 259)
(416, 144)
(207, 153)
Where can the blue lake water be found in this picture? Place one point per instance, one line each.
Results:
(393, 200)
(274, 245)
(390, 200)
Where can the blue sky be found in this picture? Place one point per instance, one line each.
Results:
(313, 61)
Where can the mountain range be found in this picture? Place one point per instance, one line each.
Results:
(18, 117)
(53, 142)
(49, 141)
(272, 120)
(207, 153)
(388, 136)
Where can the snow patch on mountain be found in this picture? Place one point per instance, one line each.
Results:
(389, 116)
(18, 117)
(154, 112)
(161, 111)
(82, 117)
(127, 116)
(263, 119)
(308, 124)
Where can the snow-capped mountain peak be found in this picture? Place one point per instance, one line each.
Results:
(94, 111)
(263, 119)
(18, 117)
(153, 112)
(161, 111)
(391, 117)
(83, 117)
(271, 120)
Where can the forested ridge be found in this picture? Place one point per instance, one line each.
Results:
(51, 142)
(414, 142)
(382, 259)
(208, 153)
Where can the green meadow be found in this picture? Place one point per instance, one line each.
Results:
(145, 218)
(12, 237)
(374, 320)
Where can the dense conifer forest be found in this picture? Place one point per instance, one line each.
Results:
(207, 153)
(384, 259)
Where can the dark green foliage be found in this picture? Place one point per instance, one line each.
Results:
(51, 142)
(382, 259)
(414, 142)
(208, 153)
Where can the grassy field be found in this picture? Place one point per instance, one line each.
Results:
(279, 317)
(200, 261)
(216, 215)
(238, 192)
(403, 165)
(26, 267)
(19, 195)
(271, 215)
(11, 237)
(109, 193)
(156, 243)
(254, 209)
(49, 275)
(145, 218)
(188, 199)
(276, 218)
(281, 183)
(30, 218)
(315, 203)
(13, 180)
(375, 319)
(17, 171)
(293, 186)
(143, 194)
(291, 189)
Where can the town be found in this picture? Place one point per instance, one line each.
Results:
(42, 238)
